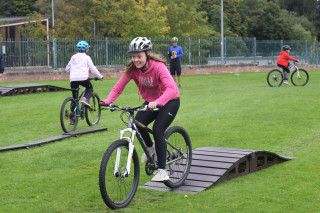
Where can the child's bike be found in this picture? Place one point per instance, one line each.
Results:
(72, 110)
(299, 77)
(120, 171)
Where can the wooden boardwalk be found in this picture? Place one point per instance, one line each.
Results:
(25, 89)
(212, 165)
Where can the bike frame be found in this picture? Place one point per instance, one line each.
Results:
(133, 131)
(80, 108)
(293, 65)
(80, 96)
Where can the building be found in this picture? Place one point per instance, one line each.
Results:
(9, 27)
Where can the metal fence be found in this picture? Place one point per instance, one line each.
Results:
(56, 53)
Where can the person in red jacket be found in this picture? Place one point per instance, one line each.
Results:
(283, 62)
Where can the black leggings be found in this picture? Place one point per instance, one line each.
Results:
(87, 84)
(286, 71)
(162, 120)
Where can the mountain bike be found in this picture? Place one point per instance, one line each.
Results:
(120, 171)
(72, 110)
(299, 77)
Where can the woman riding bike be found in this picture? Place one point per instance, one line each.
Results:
(157, 87)
(283, 62)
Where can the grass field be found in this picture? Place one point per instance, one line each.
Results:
(222, 110)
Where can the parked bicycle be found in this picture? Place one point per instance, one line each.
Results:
(120, 171)
(72, 110)
(299, 77)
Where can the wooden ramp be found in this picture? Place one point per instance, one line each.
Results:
(25, 89)
(212, 165)
(48, 140)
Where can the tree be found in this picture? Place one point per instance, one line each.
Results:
(234, 23)
(309, 9)
(79, 18)
(45, 6)
(34, 28)
(6, 8)
(264, 20)
(129, 18)
(23, 7)
(17, 7)
(122, 18)
(187, 20)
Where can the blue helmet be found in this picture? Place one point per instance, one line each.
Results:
(82, 46)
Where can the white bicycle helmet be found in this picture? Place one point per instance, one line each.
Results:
(140, 44)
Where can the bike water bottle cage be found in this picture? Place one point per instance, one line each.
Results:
(82, 46)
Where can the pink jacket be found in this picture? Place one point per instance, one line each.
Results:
(155, 84)
(79, 66)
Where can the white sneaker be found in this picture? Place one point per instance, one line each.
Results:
(160, 176)
(151, 150)
(286, 82)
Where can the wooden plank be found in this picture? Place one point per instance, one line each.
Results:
(186, 183)
(6, 148)
(198, 183)
(210, 164)
(207, 178)
(227, 150)
(47, 140)
(24, 89)
(191, 188)
(86, 131)
(212, 153)
(168, 190)
(208, 171)
(201, 170)
(157, 184)
(183, 187)
(212, 158)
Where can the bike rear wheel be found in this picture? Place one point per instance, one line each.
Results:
(178, 170)
(300, 78)
(118, 189)
(275, 78)
(68, 115)
(93, 114)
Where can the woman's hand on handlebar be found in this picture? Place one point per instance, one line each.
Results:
(152, 105)
(103, 103)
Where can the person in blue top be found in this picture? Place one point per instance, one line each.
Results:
(175, 54)
(1, 64)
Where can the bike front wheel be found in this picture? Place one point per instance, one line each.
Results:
(117, 187)
(275, 78)
(299, 78)
(179, 153)
(68, 115)
(93, 113)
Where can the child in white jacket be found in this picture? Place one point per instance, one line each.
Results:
(79, 66)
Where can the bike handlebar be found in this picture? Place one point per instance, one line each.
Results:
(113, 107)
(96, 79)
